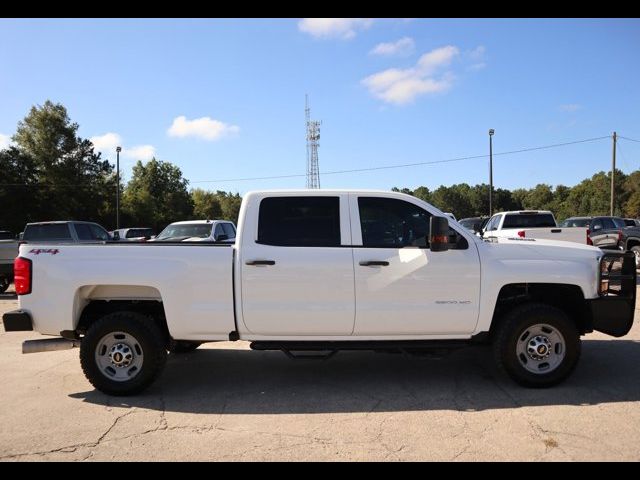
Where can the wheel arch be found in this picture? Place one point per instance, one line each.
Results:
(92, 302)
(566, 297)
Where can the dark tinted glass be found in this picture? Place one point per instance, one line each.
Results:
(387, 222)
(6, 236)
(526, 220)
(300, 221)
(98, 233)
(51, 231)
(608, 224)
(218, 231)
(627, 221)
(84, 231)
(139, 232)
(229, 230)
(596, 224)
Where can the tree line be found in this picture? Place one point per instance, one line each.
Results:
(590, 197)
(51, 173)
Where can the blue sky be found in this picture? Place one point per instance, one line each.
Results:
(224, 99)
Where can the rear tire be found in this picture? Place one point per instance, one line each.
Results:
(537, 345)
(184, 346)
(4, 284)
(122, 353)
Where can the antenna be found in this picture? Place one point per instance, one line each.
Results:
(313, 137)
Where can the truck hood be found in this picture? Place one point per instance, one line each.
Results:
(535, 249)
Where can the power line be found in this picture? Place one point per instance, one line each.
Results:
(627, 138)
(357, 170)
(415, 164)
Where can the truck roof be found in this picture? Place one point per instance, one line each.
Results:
(185, 222)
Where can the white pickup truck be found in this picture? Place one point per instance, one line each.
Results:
(322, 271)
(539, 224)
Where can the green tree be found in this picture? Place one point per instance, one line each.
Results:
(157, 195)
(73, 182)
(18, 190)
(206, 205)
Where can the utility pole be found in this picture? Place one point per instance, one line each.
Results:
(491, 132)
(118, 150)
(613, 171)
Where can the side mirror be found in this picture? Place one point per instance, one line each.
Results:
(477, 228)
(222, 237)
(438, 234)
(116, 235)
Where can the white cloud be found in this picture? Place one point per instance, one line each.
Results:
(402, 47)
(344, 28)
(570, 107)
(204, 127)
(140, 152)
(5, 141)
(477, 57)
(108, 142)
(402, 86)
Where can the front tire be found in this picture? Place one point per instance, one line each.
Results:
(537, 345)
(122, 353)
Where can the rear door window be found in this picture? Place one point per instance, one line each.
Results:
(299, 221)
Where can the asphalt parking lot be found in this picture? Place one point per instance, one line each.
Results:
(224, 402)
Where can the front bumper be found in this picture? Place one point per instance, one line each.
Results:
(612, 313)
(17, 321)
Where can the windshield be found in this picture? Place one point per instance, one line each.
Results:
(200, 230)
(468, 223)
(576, 222)
(619, 222)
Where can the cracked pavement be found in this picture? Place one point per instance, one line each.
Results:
(225, 402)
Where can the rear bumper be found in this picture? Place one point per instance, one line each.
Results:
(612, 313)
(17, 321)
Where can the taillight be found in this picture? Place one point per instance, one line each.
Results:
(589, 241)
(619, 236)
(22, 275)
(521, 233)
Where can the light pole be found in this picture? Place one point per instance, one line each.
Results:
(118, 150)
(491, 132)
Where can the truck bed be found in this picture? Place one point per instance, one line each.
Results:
(193, 281)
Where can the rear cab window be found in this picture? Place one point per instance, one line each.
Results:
(47, 231)
(528, 220)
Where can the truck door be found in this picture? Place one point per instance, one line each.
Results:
(402, 288)
(297, 265)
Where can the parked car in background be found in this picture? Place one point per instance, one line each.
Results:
(632, 222)
(139, 234)
(198, 231)
(537, 224)
(612, 233)
(65, 232)
(576, 222)
(8, 252)
(473, 223)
